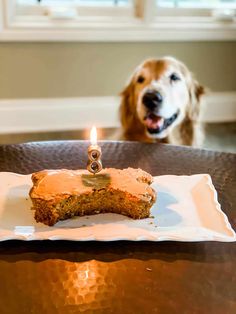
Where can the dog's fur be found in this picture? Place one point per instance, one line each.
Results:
(179, 97)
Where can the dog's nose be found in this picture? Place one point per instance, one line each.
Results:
(152, 99)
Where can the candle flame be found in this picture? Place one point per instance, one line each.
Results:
(93, 136)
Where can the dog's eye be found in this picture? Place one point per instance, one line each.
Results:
(174, 77)
(140, 79)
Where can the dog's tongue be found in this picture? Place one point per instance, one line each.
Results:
(154, 122)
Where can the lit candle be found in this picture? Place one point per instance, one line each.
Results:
(94, 153)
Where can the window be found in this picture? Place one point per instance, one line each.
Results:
(196, 4)
(198, 19)
(71, 9)
(225, 8)
(117, 20)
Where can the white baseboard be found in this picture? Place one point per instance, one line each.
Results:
(218, 107)
(39, 115)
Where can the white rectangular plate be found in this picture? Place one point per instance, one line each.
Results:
(186, 210)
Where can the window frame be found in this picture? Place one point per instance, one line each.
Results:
(144, 25)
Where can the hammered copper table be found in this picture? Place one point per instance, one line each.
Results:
(121, 277)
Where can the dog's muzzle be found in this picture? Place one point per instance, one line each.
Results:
(154, 122)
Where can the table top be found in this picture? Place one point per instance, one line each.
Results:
(122, 276)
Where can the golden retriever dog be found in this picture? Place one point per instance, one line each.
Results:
(161, 104)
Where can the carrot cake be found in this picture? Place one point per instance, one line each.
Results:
(61, 194)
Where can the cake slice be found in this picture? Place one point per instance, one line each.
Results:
(61, 194)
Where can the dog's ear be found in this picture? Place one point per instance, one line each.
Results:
(196, 91)
(199, 91)
(127, 109)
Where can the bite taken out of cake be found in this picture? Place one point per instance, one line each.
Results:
(62, 194)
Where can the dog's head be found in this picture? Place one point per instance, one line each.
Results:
(160, 95)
